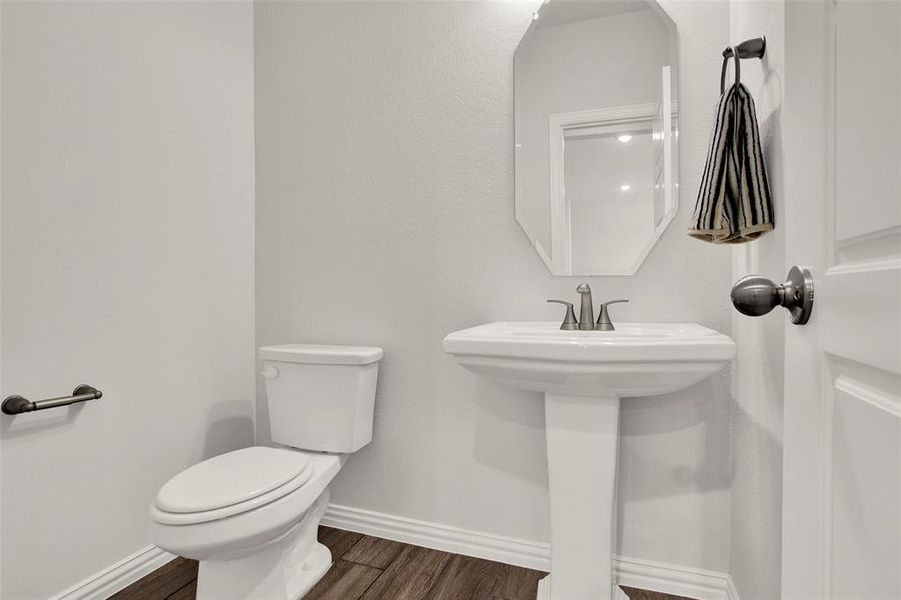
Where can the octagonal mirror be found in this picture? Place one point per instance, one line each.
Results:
(596, 133)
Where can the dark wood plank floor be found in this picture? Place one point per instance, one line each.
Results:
(370, 568)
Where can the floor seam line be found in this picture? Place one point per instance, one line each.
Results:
(181, 588)
(381, 573)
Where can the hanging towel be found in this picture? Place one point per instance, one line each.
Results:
(734, 204)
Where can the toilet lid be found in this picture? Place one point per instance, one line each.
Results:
(230, 479)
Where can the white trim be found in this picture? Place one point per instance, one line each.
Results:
(512, 551)
(677, 580)
(117, 576)
(731, 590)
(633, 572)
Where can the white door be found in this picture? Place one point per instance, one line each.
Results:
(842, 437)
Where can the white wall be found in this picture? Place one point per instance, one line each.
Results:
(385, 217)
(127, 246)
(755, 563)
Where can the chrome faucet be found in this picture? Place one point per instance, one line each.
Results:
(586, 313)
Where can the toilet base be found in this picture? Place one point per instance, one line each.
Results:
(285, 569)
(304, 580)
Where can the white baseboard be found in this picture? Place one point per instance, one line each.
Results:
(731, 590)
(512, 551)
(677, 580)
(118, 576)
(632, 572)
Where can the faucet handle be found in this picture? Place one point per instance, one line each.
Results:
(569, 321)
(614, 301)
(604, 323)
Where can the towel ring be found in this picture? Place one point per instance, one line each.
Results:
(753, 48)
(733, 54)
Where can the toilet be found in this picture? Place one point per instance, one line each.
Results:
(251, 516)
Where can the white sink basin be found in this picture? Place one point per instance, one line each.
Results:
(583, 375)
(637, 359)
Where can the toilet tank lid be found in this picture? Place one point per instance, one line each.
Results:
(322, 355)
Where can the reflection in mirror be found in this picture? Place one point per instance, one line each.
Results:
(596, 121)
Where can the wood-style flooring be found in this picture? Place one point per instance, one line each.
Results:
(370, 568)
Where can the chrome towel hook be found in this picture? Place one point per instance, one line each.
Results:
(753, 48)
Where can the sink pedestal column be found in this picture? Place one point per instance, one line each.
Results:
(582, 444)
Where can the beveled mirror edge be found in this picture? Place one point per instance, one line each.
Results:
(553, 267)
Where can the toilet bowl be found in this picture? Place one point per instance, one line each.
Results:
(250, 517)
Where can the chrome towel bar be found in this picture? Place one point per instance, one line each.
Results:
(14, 405)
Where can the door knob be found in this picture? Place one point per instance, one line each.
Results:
(755, 295)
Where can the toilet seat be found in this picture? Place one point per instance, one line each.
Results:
(230, 484)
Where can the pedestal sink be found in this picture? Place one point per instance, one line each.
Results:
(583, 375)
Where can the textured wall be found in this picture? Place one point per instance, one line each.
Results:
(385, 217)
(755, 562)
(127, 246)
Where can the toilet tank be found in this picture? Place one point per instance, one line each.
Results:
(321, 397)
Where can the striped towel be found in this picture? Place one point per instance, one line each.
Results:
(734, 204)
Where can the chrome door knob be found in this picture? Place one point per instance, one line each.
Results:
(755, 295)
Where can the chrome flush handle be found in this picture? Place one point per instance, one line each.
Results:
(569, 321)
(604, 323)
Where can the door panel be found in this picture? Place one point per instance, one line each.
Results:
(842, 452)
(863, 470)
(867, 95)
